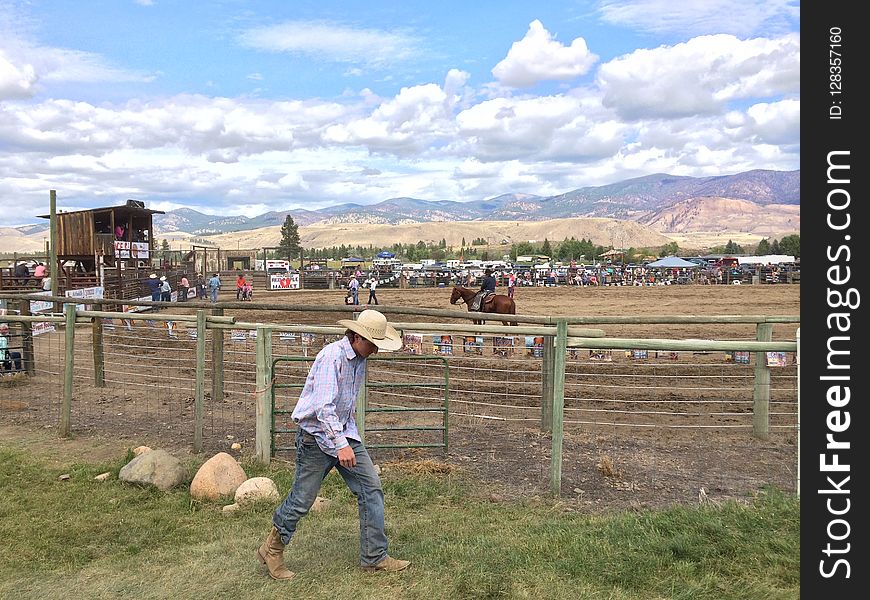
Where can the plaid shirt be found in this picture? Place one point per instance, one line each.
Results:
(327, 405)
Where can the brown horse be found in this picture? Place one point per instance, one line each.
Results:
(494, 303)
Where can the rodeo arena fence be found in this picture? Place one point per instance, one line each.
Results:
(550, 404)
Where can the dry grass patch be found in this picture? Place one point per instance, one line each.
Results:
(421, 467)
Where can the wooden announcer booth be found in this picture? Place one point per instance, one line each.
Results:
(111, 247)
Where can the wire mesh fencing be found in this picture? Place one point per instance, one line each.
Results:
(640, 427)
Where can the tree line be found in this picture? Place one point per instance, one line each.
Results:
(566, 250)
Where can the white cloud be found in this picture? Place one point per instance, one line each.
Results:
(714, 104)
(700, 76)
(410, 122)
(23, 67)
(738, 17)
(332, 42)
(16, 80)
(538, 57)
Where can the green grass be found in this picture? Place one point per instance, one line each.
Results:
(84, 539)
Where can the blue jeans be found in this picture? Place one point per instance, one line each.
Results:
(12, 357)
(312, 467)
(355, 293)
(213, 292)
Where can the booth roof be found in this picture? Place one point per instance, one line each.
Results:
(672, 262)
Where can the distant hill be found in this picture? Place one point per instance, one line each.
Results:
(638, 199)
(749, 206)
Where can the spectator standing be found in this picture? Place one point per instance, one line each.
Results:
(46, 283)
(8, 357)
(214, 286)
(511, 284)
(240, 286)
(153, 285)
(184, 288)
(372, 282)
(165, 290)
(353, 286)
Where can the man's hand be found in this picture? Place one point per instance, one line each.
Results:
(346, 457)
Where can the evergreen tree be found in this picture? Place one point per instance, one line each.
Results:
(289, 244)
(763, 247)
(546, 249)
(791, 245)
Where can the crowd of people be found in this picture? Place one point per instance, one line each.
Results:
(35, 276)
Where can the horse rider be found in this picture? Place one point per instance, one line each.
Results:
(487, 287)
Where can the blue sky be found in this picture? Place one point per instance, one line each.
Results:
(241, 107)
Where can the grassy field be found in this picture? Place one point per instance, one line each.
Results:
(85, 539)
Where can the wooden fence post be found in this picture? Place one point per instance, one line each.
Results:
(97, 340)
(27, 355)
(68, 364)
(362, 401)
(761, 391)
(798, 359)
(199, 389)
(558, 406)
(547, 371)
(217, 360)
(263, 434)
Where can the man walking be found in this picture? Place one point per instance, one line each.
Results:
(327, 438)
(372, 282)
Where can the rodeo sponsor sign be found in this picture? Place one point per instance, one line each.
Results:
(41, 306)
(284, 281)
(84, 294)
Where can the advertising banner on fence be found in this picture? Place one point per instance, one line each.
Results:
(84, 294)
(41, 306)
(286, 281)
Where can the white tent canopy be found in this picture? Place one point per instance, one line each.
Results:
(672, 262)
(766, 259)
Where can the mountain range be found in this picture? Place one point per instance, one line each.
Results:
(644, 211)
(663, 202)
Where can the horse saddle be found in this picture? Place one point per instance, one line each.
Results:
(482, 298)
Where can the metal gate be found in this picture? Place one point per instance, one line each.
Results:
(362, 407)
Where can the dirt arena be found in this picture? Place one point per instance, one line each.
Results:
(686, 442)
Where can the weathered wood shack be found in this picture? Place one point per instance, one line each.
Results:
(110, 247)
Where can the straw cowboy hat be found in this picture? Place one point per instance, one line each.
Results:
(163, 278)
(373, 326)
(153, 276)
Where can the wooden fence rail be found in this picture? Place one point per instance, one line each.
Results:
(559, 336)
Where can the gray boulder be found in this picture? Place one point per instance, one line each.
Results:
(157, 468)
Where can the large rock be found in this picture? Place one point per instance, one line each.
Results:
(218, 477)
(157, 468)
(257, 489)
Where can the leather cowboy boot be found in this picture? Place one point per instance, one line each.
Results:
(271, 554)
